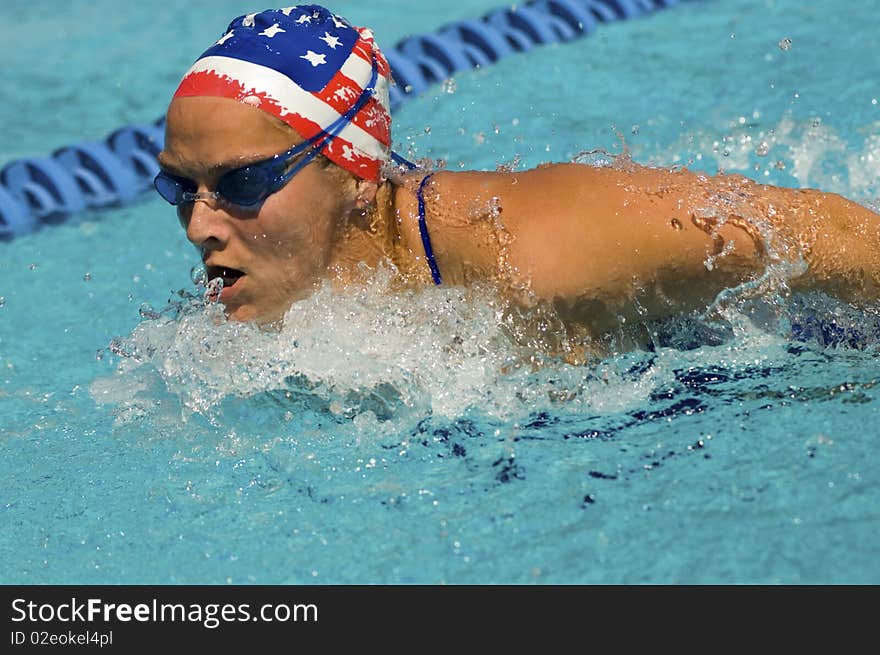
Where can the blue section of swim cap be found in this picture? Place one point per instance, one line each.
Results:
(309, 46)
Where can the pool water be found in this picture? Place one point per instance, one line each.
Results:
(410, 437)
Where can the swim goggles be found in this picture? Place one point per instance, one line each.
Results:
(250, 185)
(246, 186)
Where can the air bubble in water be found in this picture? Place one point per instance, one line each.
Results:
(2, 301)
(762, 149)
(785, 44)
(87, 277)
(634, 130)
(198, 275)
(33, 267)
(448, 86)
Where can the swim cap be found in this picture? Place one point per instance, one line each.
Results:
(308, 67)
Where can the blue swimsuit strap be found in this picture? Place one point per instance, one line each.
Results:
(423, 226)
(423, 231)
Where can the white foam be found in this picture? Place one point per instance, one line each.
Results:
(441, 351)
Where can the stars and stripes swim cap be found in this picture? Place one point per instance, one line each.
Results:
(309, 68)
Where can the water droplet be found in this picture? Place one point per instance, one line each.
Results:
(33, 267)
(198, 275)
(427, 129)
(213, 289)
(780, 165)
(448, 86)
(496, 129)
(146, 311)
(762, 149)
(2, 301)
(873, 101)
(785, 44)
(408, 88)
(634, 130)
(676, 224)
(87, 277)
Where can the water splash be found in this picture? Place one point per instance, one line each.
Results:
(811, 154)
(369, 349)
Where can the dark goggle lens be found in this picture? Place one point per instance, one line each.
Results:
(246, 186)
(172, 188)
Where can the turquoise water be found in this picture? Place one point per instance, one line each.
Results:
(405, 438)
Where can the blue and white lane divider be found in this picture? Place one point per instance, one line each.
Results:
(40, 191)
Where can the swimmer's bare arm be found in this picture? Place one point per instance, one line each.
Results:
(645, 243)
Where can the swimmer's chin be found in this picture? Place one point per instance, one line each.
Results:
(250, 314)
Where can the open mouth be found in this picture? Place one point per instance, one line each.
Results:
(229, 275)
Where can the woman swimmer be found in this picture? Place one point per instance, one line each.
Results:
(277, 156)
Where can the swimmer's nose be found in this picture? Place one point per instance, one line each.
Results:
(206, 225)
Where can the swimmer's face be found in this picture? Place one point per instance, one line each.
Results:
(270, 255)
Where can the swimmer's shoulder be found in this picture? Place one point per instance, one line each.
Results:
(451, 186)
(454, 204)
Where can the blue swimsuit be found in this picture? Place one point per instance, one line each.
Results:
(423, 226)
(423, 231)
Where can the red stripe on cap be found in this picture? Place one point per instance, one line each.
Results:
(342, 92)
(339, 150)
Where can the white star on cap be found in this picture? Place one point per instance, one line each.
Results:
(272, 31)
(314, 58)
(305, 18)
(332, 41)
(338, 23)
(225, 38)
(248, 20)
(286, 10)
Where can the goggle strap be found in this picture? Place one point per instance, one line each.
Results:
(339, 124)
